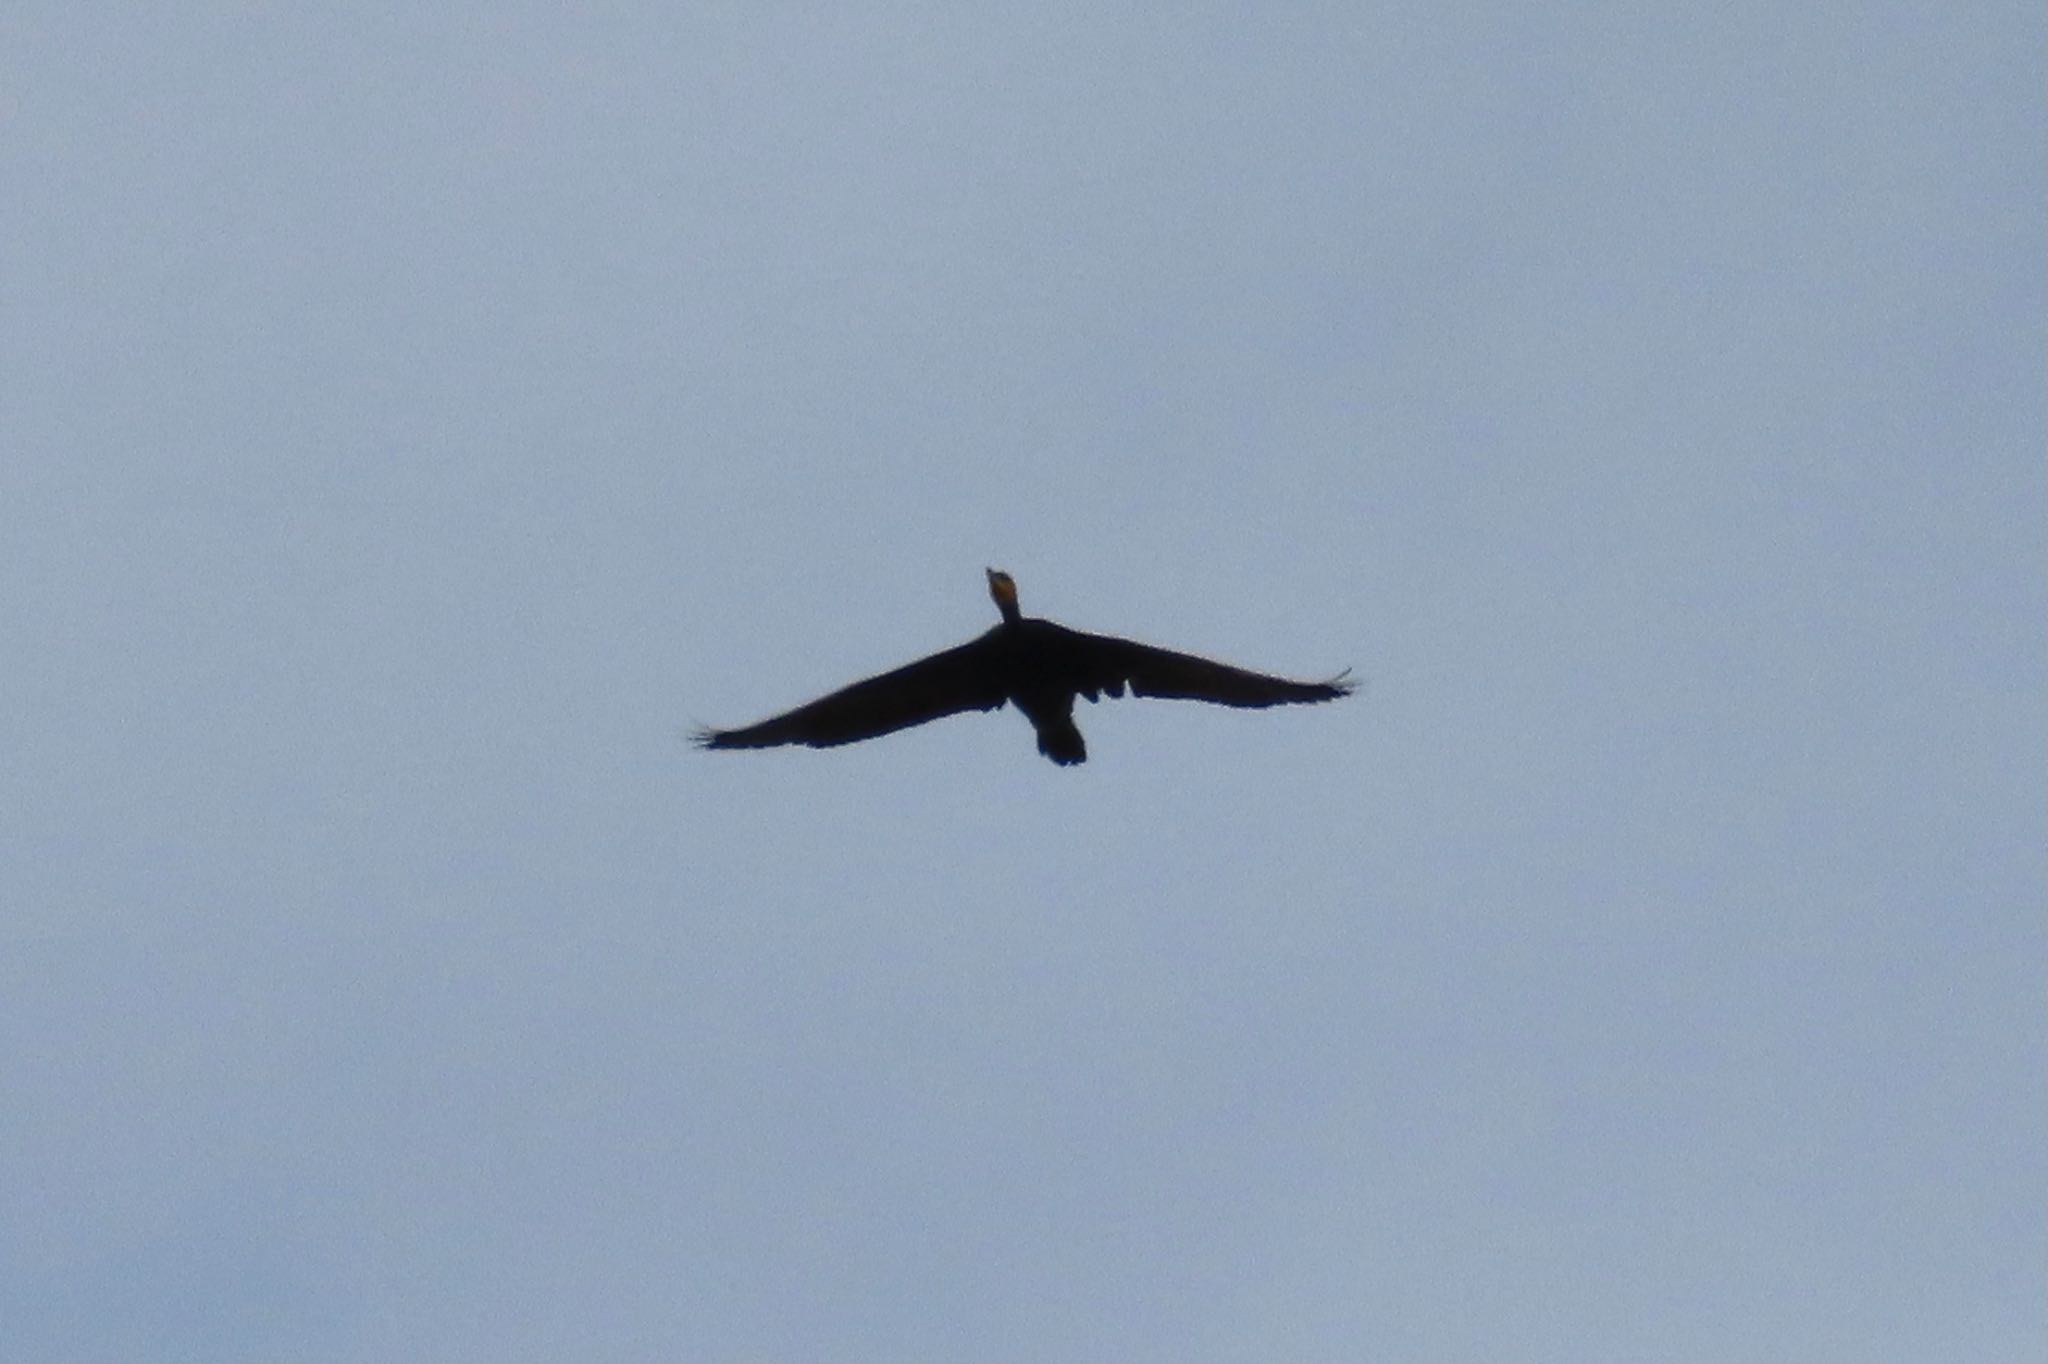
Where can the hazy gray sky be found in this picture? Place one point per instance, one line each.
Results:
(412, 422)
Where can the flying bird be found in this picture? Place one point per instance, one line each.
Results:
(1038, 666)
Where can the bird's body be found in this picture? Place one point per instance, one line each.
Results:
(1036, 665)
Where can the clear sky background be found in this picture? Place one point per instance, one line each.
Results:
(411, 423)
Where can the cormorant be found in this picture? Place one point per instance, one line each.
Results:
(1039, 666)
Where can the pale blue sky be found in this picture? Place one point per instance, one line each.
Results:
(412, 423)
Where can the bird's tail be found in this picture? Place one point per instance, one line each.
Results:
(1060, 740)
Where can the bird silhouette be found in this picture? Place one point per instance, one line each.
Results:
(1036, 665)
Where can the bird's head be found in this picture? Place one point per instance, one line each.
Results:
(1003, 588)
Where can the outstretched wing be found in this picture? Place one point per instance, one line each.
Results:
(1106, 663)
(944, 684)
